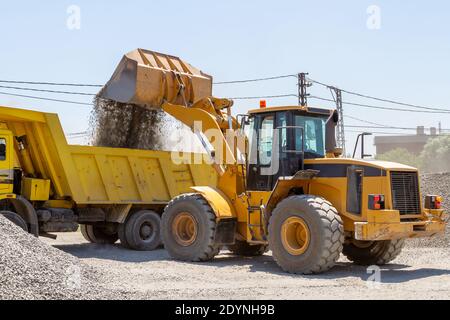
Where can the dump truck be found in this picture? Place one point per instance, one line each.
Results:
(50, 186)
(269, 179)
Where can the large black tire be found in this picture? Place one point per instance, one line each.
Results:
(16, 219)
(243, 248)
(188, 228)
(373, 252)
(98, 234)
(122, 237)
(323, 235)
(141, 231)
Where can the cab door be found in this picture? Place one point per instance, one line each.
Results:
(6, 167)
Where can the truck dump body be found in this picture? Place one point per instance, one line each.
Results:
(96, 175)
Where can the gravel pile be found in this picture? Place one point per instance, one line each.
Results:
(438, 184)
(31, 269)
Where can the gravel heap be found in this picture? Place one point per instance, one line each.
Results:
(31, 269)
(438, 184)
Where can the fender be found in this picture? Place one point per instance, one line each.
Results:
(24, 208)
(218, 201)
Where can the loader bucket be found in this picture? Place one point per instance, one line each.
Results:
(149, 79)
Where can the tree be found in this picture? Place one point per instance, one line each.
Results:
(435, 156)
(400, 155)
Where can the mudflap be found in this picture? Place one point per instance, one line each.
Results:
(225, 232)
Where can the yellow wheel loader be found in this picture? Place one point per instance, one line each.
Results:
(281, 182)
(270, 179)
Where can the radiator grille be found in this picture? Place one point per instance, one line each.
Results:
(405, 192)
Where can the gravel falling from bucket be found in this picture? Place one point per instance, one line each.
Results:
(115, 124)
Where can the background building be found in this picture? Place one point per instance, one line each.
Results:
(413, 143)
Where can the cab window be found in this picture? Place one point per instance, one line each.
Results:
(314, 135)
(266, 139)
(2, 149)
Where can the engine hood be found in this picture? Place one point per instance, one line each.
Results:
(385, 165)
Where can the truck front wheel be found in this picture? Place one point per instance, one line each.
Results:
(373, 252)
(98, 234)
(16, 219)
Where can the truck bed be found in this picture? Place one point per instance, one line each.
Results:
(99, 175)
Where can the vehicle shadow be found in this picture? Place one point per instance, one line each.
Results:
(113, 252)
(389, 274)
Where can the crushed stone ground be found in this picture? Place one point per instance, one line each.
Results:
(33, 269)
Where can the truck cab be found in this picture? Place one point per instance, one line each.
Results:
(6, 164)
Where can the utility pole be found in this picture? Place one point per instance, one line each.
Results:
(302, 86)
(340, 134)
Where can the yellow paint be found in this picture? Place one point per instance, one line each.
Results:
(295, 235)
(218, 201)
(36, 189)
(96, 175)
(6, 162)
(387, 231)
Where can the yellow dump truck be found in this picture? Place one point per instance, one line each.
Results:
(50, 186)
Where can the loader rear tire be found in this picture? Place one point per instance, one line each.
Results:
(188, 227)
(306, 234)
(243, 248)
(98, 234)
(16, 219)
(141, 231)
(373, 252)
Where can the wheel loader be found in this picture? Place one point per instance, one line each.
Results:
(282, 184)
(272, 178)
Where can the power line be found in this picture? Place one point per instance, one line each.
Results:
(47, 99)
(53, 83)
(365, 121)
(265, 97)
(378, 132)
(50, 91)
(380, 107)
(257, 79)
(71, 134)
(387, 127)
(378, 125)
(380, 99)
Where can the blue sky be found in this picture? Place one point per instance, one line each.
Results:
(407, 59)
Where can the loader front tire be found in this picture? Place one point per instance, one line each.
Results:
(188, 227)
(98, 234)
(306, 234)
(242, 248)
(373, 252)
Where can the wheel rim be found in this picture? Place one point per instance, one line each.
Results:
(295, 235)
(146, 231)
(184, 229)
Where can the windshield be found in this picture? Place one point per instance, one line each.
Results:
(314, 134)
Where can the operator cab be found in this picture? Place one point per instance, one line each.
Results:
(280, 138)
